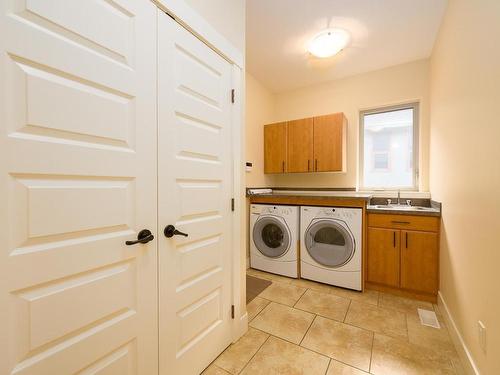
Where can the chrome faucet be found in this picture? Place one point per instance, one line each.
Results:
(399, 197)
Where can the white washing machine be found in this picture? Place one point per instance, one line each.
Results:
(331, 245)
(274, 239)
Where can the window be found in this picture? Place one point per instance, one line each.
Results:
(389, 148)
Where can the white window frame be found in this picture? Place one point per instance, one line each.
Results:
(413, 105)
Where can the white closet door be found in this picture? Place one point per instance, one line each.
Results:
(194, 190)
(77, 179)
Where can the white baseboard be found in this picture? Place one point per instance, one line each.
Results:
(470, 367)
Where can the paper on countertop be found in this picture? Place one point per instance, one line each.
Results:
(259, 191)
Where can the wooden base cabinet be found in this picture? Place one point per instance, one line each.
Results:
(383, 256)
(404, 260)
(419, 261)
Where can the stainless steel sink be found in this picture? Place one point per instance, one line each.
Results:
(402, 207)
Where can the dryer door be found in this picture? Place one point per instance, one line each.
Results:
(330, 243)
(271, 236)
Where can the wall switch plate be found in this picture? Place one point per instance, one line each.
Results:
(248, 166)
(481, 329)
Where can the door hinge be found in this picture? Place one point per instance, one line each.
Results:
(232, 95)
(232, 311)
(232, 204)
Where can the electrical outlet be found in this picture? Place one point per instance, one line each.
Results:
(481, 329)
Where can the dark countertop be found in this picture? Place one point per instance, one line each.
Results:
(420, 207)
(317, 194)
(428, 211)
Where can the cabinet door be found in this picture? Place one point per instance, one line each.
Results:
(419, 261)
(300, 145)
(329, 143)
(275, 148)
(383, 256)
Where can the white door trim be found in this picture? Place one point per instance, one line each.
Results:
(240, 322)
(198, 26)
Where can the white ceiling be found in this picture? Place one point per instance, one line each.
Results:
(383, 33)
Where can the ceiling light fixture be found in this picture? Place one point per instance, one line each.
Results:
(329, 42)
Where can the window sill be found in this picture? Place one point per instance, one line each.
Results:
(393, 193)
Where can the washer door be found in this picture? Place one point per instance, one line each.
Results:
(329, 243)
(271, 237)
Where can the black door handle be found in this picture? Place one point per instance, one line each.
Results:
(144, 236)
(171, 231)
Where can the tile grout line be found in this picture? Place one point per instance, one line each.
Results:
(256, 315)
(317, 314)
(371, 353)
(307, 330)
(334, 320)
(328, 367)
(312, 350)
(379, 298)
(302, 295)
(292, 343)
(260, 347)
(347, 311)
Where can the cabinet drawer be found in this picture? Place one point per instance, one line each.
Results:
(422, 223)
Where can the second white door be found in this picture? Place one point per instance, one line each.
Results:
(194, 191)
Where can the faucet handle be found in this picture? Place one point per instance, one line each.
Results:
(408, 202)
(389, 201)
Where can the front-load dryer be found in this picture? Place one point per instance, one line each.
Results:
(331, 245)
(274, 239)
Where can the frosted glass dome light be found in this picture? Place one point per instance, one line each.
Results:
(329, 42)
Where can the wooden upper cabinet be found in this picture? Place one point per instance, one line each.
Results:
(275, 148)
(300, 145)
(330, 143)
(315, 144)
(419, 261)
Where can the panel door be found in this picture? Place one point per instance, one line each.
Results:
(420, 261)
(329, 144)
(275, 148)
(195, 189)
(77, 179)
(383, 256)
(300, 145)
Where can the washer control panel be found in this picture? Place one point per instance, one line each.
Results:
(273, 210)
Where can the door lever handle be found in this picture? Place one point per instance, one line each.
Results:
(144, 236)
(171, 231)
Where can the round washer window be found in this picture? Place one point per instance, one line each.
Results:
(271, 237)
(329, 243)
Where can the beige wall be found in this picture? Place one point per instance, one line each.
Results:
(398, 84)
(226, 16)
(259, 110)
(465, 169)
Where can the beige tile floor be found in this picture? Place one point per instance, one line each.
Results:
(302, 327)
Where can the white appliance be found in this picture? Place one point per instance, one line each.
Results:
(331, 245)
(274, 238)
